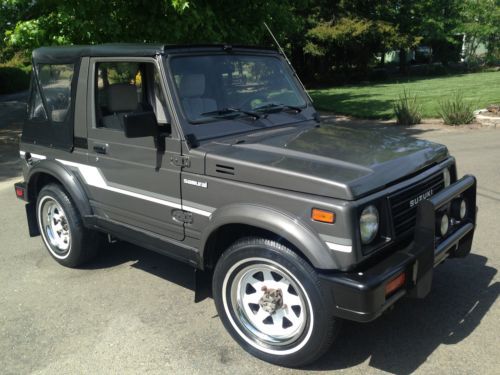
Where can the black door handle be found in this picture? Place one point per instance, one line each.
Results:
(100, 149)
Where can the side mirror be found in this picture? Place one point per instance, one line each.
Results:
(140, 124)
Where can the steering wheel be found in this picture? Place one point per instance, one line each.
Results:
(39, 110)
(247, 104)
(62, 101)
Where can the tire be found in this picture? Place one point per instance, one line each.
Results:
(270, 301)
(62, 230)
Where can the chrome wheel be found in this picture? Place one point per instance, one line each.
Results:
(270, 306)
(54, 227)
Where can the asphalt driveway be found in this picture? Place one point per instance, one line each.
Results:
(132, 311)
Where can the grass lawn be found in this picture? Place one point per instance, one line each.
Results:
(376, 100)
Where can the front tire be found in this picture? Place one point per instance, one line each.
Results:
(270, 301)
(62, 229)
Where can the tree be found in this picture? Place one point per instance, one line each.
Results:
(351, 42)
(360, 28)
(319, 35)
(438, 29)
(171, 21)
(480, 24)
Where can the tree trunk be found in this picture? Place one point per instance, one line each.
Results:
(402, 60)
(297, 60)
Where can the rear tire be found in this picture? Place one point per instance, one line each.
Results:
(270, 301)
(62, 229)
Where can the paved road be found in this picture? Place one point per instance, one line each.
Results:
(132, 311)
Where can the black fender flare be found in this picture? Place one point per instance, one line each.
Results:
(281, 223)
(68, 180)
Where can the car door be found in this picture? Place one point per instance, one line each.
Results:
(133, 181)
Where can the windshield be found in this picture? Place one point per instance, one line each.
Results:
(224, 87)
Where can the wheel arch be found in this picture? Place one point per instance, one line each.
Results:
(47, 171)
(234, 220)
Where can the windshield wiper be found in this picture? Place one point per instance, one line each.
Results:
(230, 111)
(276, 107)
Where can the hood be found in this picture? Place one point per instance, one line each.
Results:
(331, 160)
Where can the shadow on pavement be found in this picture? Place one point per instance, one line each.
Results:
(399, 341)
(11, 117)
(156, 264)
(10, 163)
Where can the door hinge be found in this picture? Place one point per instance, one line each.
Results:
(180, 161)
(183, 216)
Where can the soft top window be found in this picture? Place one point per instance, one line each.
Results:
(36, 110)
(55, 81)
(51, 105)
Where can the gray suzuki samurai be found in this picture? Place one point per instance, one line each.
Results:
(215, 156)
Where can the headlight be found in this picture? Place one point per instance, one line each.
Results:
(447, 177)
(368, 224)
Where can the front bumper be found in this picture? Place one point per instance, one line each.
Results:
(361, 296)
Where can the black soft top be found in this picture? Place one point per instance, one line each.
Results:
(60, 135)
(69, 54)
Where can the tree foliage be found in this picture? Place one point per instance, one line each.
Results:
(352, 41)
(27, 24)
(320, 35)
(480, 23)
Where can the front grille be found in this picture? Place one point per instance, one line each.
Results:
(403, 214)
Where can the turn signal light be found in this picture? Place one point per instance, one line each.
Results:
(323, 216)
(395, 284)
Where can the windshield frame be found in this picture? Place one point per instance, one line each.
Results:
(220, 127)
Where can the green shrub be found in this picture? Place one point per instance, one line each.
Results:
(379, 75)
(476, 63)
(455, 111)
(407, 109)
(13, 79)
(437, 70)
(15, 74)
